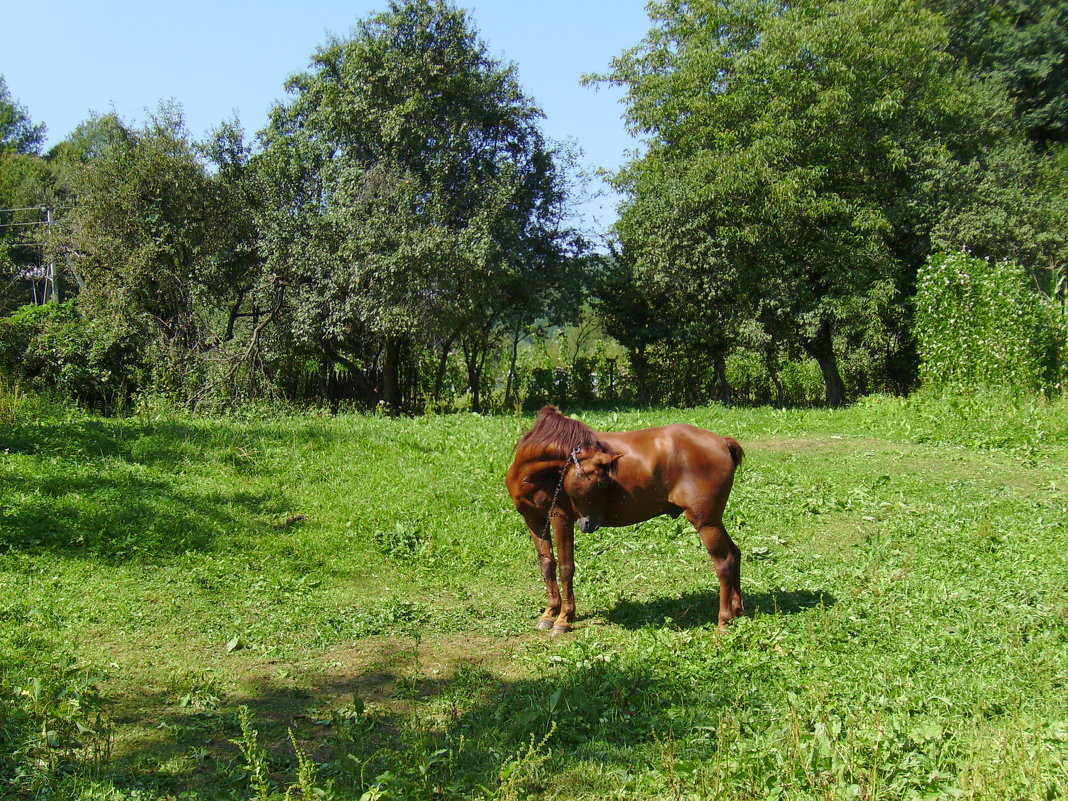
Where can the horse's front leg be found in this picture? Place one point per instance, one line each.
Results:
(564, 531)
(547, 564)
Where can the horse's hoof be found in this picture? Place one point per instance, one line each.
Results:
(544, 625)
(558, 630)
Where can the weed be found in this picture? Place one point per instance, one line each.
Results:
(197, 690)
(56, 726)
(404, 541)
(254, 755)
(307, 774)
(523, 772)
(12, 401)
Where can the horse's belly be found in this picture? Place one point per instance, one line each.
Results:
(630, 513)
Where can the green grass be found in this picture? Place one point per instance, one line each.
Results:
(363, 588)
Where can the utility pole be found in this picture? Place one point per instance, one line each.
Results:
(51, 290)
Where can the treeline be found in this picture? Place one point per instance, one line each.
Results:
(398, 235)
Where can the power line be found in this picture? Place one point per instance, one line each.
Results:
(15, 225)
(33, 208)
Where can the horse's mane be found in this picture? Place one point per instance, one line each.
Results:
(555, 435)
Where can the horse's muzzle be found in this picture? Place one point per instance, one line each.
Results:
(589, 524)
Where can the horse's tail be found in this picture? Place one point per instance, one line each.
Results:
(737, 454)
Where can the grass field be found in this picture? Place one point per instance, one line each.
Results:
(343, 607)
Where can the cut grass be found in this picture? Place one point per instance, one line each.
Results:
(364, 582)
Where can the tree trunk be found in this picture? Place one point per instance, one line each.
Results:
(443, 364)
(517, 336)
(474, 380)
(391, 376)
(822, 350)
(773, 373)
(723, 385)
(641, 373)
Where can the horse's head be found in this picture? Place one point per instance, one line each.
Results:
(586, 484)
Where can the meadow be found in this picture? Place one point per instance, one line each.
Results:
(342, 607)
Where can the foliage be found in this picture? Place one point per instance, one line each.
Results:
(398, 234)
(25, 189)
(1021, 45)
(18, 134)
(142, 228)
(1004, 203)
(412, 197)
(95, 361)
(154, 241)
(979, 323)
(781, 187)
(54, 727)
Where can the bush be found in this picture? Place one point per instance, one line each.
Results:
(800, 382)
(98, 362)
(980, 324)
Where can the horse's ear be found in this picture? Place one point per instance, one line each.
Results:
(605, 459)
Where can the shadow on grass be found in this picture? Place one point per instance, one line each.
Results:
(418, 735)
(119, 516)
(696, 609)
(118, 489)
(150, 442)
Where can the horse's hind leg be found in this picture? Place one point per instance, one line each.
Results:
(547, 563)
(727, 559)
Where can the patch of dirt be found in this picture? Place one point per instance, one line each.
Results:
(372, 667)
(830, 442)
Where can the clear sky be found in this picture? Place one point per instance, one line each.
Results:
(64, 59)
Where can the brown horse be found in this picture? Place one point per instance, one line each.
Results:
(565, 473)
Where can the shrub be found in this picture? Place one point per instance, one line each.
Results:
(980, 324)
(96, 361)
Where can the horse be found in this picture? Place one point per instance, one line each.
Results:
(565, 473)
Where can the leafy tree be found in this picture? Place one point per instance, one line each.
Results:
(26, 187)
(144, 234)
(235, 258)
(25, 184)
(18, 134)
(1023, 45)
(412, 196)
(786, 142)
(999, 204)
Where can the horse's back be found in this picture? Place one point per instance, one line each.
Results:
(700, 445)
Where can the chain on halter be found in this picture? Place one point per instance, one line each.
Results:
(572, 457)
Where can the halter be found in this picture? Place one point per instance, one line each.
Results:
(572, 458)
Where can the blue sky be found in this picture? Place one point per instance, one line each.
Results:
(66, 58)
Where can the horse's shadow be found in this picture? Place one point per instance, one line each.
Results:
(695, 609)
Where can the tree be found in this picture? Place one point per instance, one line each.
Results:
(26, 188)
(18, 134)
(25, 185)
(1023, 45)
(413, 197)
(785, 145)
(145, 233)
